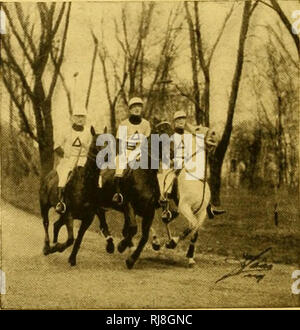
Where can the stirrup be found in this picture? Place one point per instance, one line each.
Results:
(61, 207)
(166, 216)
(118, 198)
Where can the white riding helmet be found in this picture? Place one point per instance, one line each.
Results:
(179, 114)
(135, 100)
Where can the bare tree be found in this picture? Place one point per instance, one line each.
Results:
(200, 61)
(39, 49)
(216, 161)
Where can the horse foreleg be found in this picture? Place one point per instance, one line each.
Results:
(155, 241)
(45, 216)
(66, 219)
(129, 228)
(85, 223)
(146, 225)
(110, 247)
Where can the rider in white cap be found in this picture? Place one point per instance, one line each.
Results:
(137, 127)
(72, 147)
(181, 127)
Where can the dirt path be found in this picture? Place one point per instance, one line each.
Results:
(159, 279)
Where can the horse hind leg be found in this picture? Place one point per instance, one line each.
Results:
(110, 246)
(191, 250)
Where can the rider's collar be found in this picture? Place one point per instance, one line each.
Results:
(78, 128)
(135, 120)
(179, 130)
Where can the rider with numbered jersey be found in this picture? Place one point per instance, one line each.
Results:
(72, 147)
(130, 133)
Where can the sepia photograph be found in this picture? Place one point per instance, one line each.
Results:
(149, 156)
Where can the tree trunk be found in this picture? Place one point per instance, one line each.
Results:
(217, 161)
(113, 120)
(45, 136)
(215, 180)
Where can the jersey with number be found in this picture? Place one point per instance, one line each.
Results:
(133, 133)
(74, 143)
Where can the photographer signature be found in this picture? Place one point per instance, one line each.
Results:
(250, 266)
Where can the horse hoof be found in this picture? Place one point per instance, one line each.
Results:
(129, 263)
(59, 247)
(46, 250)
(171, 244)
(110, 247)
(191, 263)
(156, 246)
(121, 247)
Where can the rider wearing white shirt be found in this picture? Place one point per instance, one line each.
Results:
(130, 132)
(181, 128)
(72, 147)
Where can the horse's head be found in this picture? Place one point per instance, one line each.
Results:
(94, 149)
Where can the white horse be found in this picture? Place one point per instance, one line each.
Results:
(193, 193)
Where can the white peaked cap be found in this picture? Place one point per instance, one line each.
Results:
(179, 114)
(135, 100)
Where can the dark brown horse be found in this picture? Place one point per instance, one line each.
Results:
(84, 199)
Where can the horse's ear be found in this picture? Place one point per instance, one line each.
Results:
(93, 132)
(105, 130)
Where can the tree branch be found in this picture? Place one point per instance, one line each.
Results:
(19, 107)
(62, 50)
(275, 6)
(19, 39)
(219, 36)
(24, 26)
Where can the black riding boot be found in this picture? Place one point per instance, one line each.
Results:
(61, 206)
(118, 197)
(213, 210)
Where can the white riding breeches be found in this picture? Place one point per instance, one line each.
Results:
(166, 179)
(65, 166)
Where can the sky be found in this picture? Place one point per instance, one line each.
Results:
(79, 50)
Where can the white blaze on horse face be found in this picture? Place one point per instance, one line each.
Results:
(2, 282)
(109, 151)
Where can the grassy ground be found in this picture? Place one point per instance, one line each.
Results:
(247, 227)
